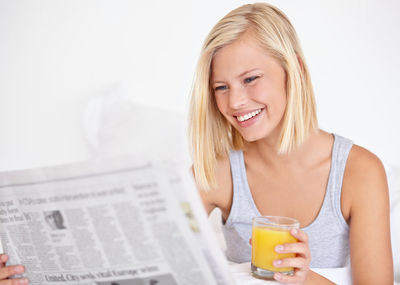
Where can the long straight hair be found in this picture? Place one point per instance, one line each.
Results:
(211, 136)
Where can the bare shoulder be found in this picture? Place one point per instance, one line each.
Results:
(364, 177)
(365, 199)
(221, 196)
(363, 165)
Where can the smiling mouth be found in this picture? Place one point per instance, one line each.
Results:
(248, 116)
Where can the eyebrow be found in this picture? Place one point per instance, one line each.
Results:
(248, 71)
(240, 75)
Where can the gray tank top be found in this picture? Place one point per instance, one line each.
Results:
(328, 233)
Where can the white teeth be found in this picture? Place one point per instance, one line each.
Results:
(248, 116)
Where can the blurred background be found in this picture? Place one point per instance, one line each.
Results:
(56, 56)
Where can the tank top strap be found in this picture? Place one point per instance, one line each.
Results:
(340, 153)
(242, 201)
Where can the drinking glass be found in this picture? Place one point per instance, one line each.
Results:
(267, 233)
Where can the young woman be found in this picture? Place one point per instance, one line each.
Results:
(257, 150)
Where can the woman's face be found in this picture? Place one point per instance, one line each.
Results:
(250, 89)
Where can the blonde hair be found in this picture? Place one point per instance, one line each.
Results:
(211, 136)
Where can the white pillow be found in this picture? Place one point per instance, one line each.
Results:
(114, 125)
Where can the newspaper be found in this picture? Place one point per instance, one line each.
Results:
(109, 222)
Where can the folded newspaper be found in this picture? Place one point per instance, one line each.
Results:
(109, 222)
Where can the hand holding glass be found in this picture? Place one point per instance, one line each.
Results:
(267, 233)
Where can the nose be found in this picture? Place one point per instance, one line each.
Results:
(237, 97)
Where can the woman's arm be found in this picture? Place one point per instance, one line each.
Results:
(366, 192)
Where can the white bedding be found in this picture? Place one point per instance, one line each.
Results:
(241, 273)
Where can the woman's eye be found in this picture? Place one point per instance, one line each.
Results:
(221, 88)
(251, 79)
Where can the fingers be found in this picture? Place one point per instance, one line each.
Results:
(8, 271)
(301, 247)
(23, 281)
(298, 278)
(250, 241)
(3, 260)
(300, 263)
(298, 248)
(300, 235)
(296, 262)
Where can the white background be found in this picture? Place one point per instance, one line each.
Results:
(56, 55)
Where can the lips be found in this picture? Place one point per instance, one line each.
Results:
(246, 119)
(248, 116)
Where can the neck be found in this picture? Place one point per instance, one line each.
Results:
(266, 150)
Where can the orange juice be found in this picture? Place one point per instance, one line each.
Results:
(264, 240)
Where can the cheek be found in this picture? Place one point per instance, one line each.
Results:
(221, 102)
(277, 106)
(223, 106)
(261, 94)
(273, 98)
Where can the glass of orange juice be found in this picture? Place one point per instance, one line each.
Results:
(267, 233)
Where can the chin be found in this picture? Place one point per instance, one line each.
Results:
(251, 138)
(258, 133)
